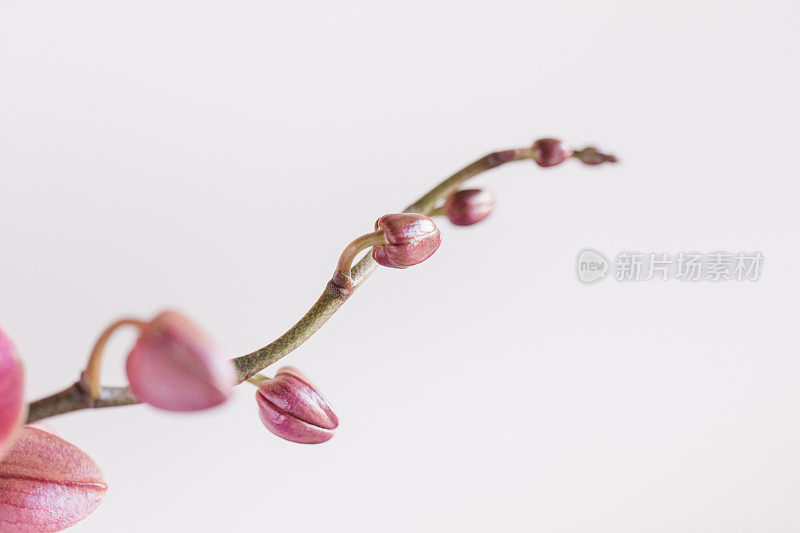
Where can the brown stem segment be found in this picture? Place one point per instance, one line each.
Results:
(339, 288)
(76, 397)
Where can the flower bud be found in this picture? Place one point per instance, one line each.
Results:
(469, 206)
(592, 156)
(550, 152)
(12, 403)
(175, 366)
(291, 408)
(47, 484)
(411, 239)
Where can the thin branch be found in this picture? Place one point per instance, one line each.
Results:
(76, 397)
(337, 291)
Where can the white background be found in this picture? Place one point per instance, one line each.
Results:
(217, 156)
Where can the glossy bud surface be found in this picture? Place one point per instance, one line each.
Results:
(47, 484)
(292, 408)
(411, 238)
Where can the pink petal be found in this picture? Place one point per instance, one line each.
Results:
(47, 484)
(12, 403)
(175, 366)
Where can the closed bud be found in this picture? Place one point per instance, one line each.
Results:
(410, 239)
(47, 484)
(291, 408)
(175, 366)
(592, 156)
(469, 206)
(550, 152)
(12, 403)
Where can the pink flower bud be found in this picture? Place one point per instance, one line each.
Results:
(411, 238)
(47, 484)
(292, 409)
(175, 366)
(12, 403)
(469, 206)
(550, 152)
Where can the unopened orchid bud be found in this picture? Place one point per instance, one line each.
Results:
(469, 206)
(592, 156)
(410, 239)
(291, 408)
(47, 484)
(550, 152)
(12, 402)
(175, 366)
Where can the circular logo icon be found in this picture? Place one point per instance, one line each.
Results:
(591, 266)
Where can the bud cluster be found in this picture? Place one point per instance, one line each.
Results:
(48, 484)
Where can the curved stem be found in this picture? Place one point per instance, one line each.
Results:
(339, 288)
(336, 293)
(358, 245)
(92, 373)
(427, 203)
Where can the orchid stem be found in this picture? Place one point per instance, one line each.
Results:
(257, 380)
(349, 278)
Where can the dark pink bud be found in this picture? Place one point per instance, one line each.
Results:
(592, 156)
(175, 366)
(12, 403)
(469, 206)
(550, 152)
(292, 409)
(411, 239)
(47, 484)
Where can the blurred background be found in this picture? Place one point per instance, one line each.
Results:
(216, 157)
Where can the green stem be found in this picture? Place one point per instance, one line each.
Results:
(257, 380)
(339, 288)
